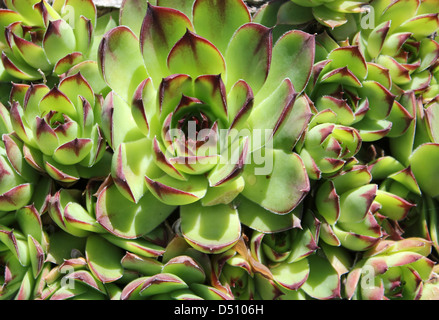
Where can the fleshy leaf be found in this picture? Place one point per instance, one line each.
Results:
(218, 21)
(212, 229)
(323, 281)
(145, 287)
(291, 275)
(294, 48)
(119, 50)
(280, 184)
(355, 203)
(258, 218)
(176, 192)
(59, 40)
(126, 219)
(132, 14)
(425, 174)
(195, 56)
(161, 29)
(254, 69)
(130, 163)
(73, 152)
(186, 268)
(103, 259)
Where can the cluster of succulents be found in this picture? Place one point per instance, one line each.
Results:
(193, 150)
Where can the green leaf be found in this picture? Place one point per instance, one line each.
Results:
(186, 268)
(393, 206)
(328, 17)
(161, 29)
(211, 90)
(176, 192)
(425, 173)
(258, 218)
(212, 229)
(130, 163)
(380, 99)
(144, 265)
(55, 100)
(376, 39)
(145, 287)
(126, 219)
(280, 184)
(7, 17)
(421, 26)
(224, 193)
(77, 217)
(195, 56)
(291, 275)
(294, 48)
(293, 14)
(132, 14)
(73, 151)
(103, 259)
(328, 202)
(355, 203)
(292, 127)
(26, 10)
(33, 54)
(84, 8)
(274, 110)
(323, 282)
(117, 121)
(184, 6)
(37, 255)
(74, 86)
(59, 40)
(350, 57)
(119, 51)
(218, 20)
(30, 222)
(139, 246)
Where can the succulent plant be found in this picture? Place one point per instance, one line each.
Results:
(192, 150)
(17, 178)
(299, 267)
(352, 104)
(391, 270)
(25, 246)
(320, 15)
(199, 125)
(400, 41)
(59, 129)
(358, 213)
(43, 41)
(183, 274)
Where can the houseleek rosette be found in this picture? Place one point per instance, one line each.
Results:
(300, 267)
(352, 104)
(97, 267)
(23, 256)
(183, 274)
(106, 266)
(58, 128)
(101, 266)
(17, 178)
(400, 41)
(332, 14)
(194, 123)
(44, 39)
(355, 212)
(391, 270)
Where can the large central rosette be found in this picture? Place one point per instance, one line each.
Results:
(203, 116)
